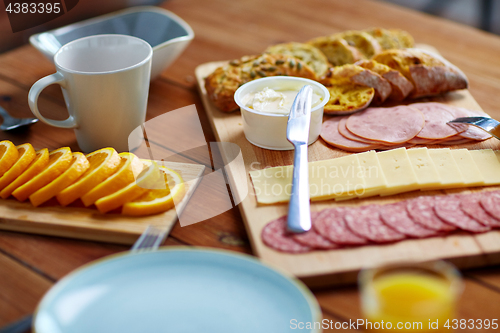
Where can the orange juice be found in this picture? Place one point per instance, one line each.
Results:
(409, 300)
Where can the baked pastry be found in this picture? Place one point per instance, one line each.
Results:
(224, 81)
(391, 39)
(337, 50)
(348, 98)
(364, 42)
(353, 74)
(400, 85)
(305, 52)
(429, 73)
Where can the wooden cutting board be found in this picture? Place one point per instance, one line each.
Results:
(340, 266)
(88, 223)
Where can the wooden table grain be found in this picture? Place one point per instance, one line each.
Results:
(226, 29)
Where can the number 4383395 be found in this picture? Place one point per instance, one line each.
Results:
(471, 324)
(33, 8)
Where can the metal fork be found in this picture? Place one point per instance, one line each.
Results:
(10, 123)
(297, 132)
(487, 124)
(150, 239)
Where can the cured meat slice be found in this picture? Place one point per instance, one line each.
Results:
(396, 217)
(471, 205)
(274, 235)
(348, 135)
(420, 141)
(422, 212)
(391, 125)
(365, 222)
(331, 225)
(490, 201)
(436, 118)
(448, 209)
(313, 239)
(330, 133)
(455, 142)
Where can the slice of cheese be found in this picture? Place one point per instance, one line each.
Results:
(424, 168)
(468, 168)
(375, 180)
(488, 163)
(447, 168)
(373, 175)
(398, 172)
(327, 179)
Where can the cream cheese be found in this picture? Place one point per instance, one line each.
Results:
(277, 102)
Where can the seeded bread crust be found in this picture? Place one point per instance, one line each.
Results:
(391, 39)
(400, 85)
(430, 73)
(364, 42)
(224, 81)
(337, 50)
(353, 74)
(305, 52)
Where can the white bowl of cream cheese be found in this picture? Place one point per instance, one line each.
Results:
(265, 104)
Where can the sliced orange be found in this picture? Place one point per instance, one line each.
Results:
(8, 155)
(79, 164)
(130, 167)
(26, 154)
(103, 163)
(155, 201)
(59, 161)
(150, 177)
(35, 167)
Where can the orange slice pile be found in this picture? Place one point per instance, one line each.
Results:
(156, 201)
(103, 163)
(35, 167)
(129, 168)
(79, 164)
(150, 177)
(26, 155)
(104, 178)
(59, 161)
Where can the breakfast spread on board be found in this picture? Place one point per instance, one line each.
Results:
(103, 178)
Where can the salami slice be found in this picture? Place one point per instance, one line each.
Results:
(436, 117)
(330, 133)
(331, 225)
(422, 212)
(490, 201)
(274, 235)
(396, 217)
(448, 209)
(471, 205)
(313, 239)
(391, 125)
(365, 222)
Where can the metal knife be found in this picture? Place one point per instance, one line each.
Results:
(487, 124)
(297, 132)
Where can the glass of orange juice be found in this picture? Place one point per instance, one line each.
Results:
(414, 297)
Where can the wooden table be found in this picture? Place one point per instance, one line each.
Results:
(226, 29)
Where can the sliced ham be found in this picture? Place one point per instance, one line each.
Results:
(391, 125)
(330, 133)
(436, 118)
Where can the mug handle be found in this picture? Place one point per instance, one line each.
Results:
(35, 91)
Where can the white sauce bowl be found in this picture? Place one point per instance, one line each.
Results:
(268, 130)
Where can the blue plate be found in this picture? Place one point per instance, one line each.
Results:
(176, 290)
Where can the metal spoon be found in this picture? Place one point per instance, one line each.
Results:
(10, 123)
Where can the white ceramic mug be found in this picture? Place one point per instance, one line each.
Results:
(105, 83)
